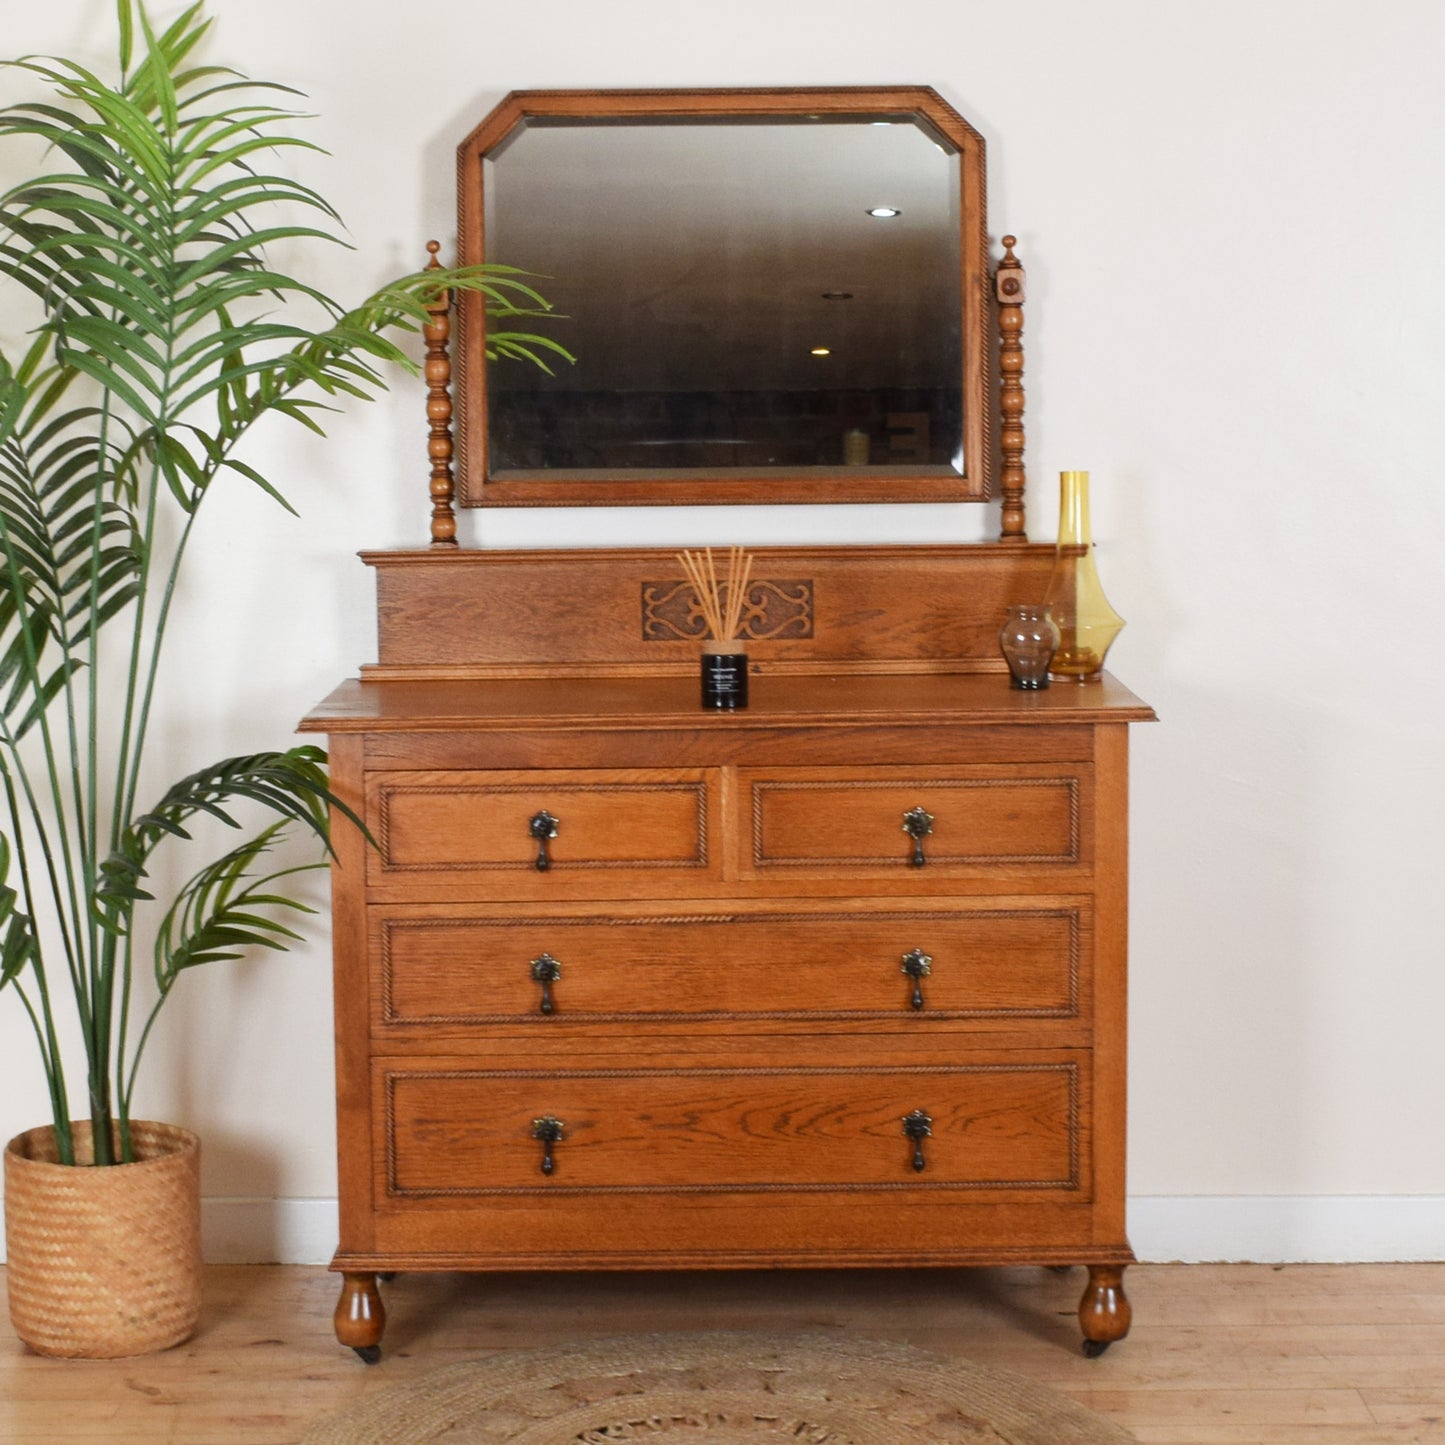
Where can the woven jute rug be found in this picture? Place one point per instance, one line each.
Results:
(718, 1389)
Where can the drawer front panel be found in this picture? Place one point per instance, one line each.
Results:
(482, 828)
(432, 967)
(895, 821)
(476, 1132)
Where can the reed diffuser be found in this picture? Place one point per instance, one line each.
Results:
(724, 658)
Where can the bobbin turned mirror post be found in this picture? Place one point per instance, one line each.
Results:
(623, 984)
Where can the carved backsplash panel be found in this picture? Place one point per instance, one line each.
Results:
(475, 612)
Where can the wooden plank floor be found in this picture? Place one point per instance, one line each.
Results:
(1220, 1354)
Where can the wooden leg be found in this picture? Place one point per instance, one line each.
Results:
(1104, 1311)
(360, 1316)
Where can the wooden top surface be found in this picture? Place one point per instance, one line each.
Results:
(661, 703)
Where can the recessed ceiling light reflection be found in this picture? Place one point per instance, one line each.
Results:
(821, 351)
(884, 213)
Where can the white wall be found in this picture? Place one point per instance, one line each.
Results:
(1231, 216)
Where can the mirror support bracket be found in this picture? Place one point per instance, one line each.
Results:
(1009, 288)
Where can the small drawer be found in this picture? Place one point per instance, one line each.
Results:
(541, 833)
(1005, 1125)
(899, 822)
(473, 969)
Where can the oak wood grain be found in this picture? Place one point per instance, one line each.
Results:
(894, 708)
(852, 819)
(546, 612)
(461, 972)
(452, 1129)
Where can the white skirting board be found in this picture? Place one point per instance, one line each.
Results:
(1264, 1229)
(1285, 1229)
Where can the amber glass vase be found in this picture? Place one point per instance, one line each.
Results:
(1087, 623)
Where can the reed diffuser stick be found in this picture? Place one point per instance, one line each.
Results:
(721, 602)
(697, 574)
(740, 568)
(715, 592)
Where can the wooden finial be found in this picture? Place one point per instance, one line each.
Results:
(438, 372)
(1009, 293)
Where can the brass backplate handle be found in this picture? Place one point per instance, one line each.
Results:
(546, 970)
(543, 827)
(917, 965)
(549, 1130)
(918, 1126)
(918, 824)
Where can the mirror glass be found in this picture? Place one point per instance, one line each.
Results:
(776, 296)
(772, 296)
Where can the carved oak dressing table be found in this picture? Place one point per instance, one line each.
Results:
(835, 980)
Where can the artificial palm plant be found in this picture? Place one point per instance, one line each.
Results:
(161, 336)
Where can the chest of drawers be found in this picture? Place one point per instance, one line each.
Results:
(836, 981)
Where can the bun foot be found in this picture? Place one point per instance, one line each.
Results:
(360, 1316)
(1104, 1311)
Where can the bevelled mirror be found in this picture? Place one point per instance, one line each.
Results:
(772, 296)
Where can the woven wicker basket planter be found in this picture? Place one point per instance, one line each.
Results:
(104, 1262)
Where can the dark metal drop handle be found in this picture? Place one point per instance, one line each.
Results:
(918, 824)
(543, 827)
(917, 965)
(918, 1126)
(546, 970)
(549, 1130)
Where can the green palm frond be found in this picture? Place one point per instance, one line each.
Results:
(18, 947)
(70, 555)
(292, 784)
(219, 913)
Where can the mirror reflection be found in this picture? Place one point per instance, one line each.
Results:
(782, 294)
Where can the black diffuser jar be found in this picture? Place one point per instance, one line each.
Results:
(724, 678)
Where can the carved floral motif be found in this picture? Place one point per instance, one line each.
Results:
(775, 608)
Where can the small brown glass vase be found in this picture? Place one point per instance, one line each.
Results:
(1028, 640)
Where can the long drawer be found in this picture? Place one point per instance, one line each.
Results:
(462, 969)
(995, 1124)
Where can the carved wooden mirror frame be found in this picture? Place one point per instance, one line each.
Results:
(475, 486)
